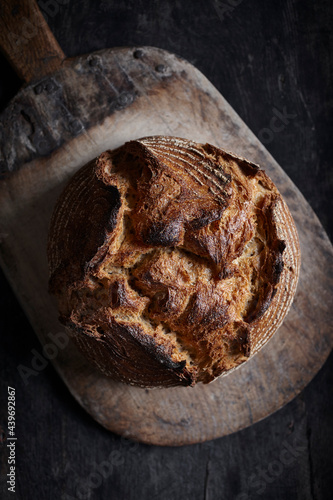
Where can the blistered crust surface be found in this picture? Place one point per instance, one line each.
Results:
(166, 257)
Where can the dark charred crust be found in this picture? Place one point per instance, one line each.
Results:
(115, 204)
(250, 169)
(278, 263)
(277, 269)
(159, 234)
(281, 245)
(172, 365)
(180, 366)
(205, 218)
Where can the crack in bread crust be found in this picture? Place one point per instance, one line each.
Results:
(177, 261)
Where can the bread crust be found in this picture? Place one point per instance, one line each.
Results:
(172, 262)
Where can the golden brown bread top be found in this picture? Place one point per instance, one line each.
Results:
(165, 256)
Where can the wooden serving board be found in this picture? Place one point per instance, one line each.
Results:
(97, 102)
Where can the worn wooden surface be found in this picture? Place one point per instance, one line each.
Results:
(218, 469)
(27, 41)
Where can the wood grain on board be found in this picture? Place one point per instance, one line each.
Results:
(97, 102)
(27, 41)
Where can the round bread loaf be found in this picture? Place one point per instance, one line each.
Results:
(172, 262)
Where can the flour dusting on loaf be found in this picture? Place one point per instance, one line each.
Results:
(172, 262)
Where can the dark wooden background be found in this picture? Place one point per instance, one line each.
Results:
(265, 58)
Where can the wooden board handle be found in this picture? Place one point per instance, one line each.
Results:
(26, 40)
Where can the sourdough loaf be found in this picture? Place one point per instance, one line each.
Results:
(172, 262)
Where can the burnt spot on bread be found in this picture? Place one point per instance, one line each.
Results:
(250, 169)
(203, 218)
(170, 260)
(172, 365)
(114, 207)
(165, 235)
(277, 268)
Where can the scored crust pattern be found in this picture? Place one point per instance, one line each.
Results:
(173, 262)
